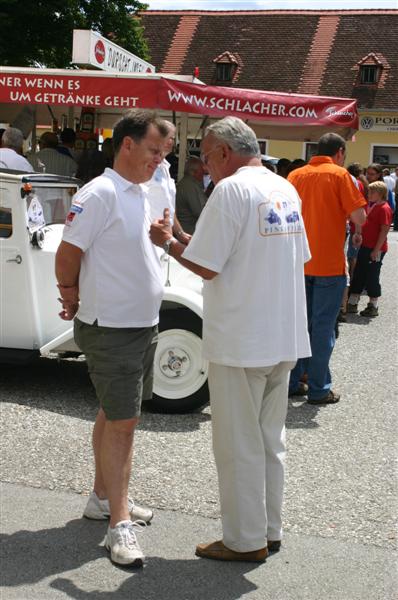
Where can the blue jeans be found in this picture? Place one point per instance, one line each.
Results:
(324, 296)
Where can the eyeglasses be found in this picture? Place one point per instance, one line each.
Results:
(204, 155)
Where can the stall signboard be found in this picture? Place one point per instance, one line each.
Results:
(91, 48)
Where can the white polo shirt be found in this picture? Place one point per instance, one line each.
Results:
(161, 192)
(120, 281)
(252, 234)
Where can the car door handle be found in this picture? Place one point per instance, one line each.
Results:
(17, 259)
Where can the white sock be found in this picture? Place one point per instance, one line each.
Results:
(374, 302)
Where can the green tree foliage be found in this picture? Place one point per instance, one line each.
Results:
(39, 32)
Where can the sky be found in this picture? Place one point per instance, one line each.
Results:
(268, 4)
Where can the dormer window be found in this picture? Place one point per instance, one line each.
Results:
(369, 74)
(372, 70)
(228, 67)
(225, 71)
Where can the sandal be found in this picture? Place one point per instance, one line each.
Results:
(331, 398)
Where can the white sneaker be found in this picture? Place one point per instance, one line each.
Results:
(122, 543)
(99, 510)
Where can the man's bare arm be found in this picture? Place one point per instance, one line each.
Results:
(67, 264)
(358, 216)
(176, 249)
(67, 269)
(179, 233)
(161, 232)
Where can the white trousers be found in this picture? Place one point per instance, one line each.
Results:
(249, 407)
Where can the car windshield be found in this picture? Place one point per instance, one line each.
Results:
(48, 205)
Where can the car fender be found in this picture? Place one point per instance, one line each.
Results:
(185, 297)
(178, 295)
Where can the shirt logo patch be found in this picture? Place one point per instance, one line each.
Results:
(69, 218)
(76, 208)
(279, 215)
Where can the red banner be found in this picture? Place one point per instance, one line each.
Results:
(78, 90)
(257, 105)
(105, 91)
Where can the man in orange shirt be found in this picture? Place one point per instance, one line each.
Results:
(329, 197)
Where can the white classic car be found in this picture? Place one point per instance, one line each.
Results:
(33, 208)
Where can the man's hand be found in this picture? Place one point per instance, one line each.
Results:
(67, 268)
(184, 238)
(161, 229)
(69, 301)
(69, 310)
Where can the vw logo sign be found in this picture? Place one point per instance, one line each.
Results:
(367, 122)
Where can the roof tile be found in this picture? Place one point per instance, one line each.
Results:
(315, 65)
(286, 51)
(180, 44)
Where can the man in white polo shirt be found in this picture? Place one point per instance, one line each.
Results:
(162, 188)
(250, 247)
(110, 279)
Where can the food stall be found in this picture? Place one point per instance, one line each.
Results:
(34, 205)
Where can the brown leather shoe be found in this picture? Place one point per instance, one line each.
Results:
(274, 546)
(217, 551)
(302, 390)
(330, 398)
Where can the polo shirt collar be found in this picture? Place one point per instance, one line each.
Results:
(124, 183)
(320, 160)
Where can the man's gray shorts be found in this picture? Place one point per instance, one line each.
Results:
(120, 364)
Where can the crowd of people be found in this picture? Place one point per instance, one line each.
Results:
(57, 154)
(365, 246)
(273, 252)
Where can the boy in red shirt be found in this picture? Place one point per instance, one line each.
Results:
(373, 249)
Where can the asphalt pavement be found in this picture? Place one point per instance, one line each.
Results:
(341, 489)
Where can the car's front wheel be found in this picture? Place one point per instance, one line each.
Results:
(180, 372)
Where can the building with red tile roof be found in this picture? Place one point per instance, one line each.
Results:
(340, 53)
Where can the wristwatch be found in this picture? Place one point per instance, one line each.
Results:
(167, 244)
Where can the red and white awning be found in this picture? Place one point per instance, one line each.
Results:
(282, 116)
